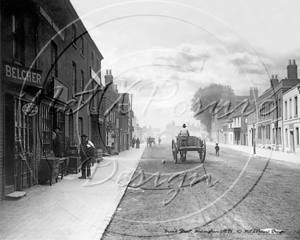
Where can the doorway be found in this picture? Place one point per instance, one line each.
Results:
(19, 164)
(292, 148)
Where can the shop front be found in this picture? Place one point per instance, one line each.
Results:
(20, 86)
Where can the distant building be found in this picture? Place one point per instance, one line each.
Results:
(229, 122)
(291, 119)
(172, 131)
(270, 108)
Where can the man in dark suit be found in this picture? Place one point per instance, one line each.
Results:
(86, 153)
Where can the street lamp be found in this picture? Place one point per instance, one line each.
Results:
(253, 140)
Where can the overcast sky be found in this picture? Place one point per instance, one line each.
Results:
(166, 50)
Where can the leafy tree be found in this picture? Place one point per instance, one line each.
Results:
(206, 100)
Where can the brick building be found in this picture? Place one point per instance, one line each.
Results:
(229, 124)
(291, 120)
(44, 72)
(270, 110)
(117, 116)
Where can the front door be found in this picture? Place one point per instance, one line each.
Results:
(19, 164)
(9, 142)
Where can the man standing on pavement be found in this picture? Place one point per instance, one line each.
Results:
(86, 153)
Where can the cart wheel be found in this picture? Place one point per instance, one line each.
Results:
(204, 148)
(174, 151)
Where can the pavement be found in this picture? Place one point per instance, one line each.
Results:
(72, 208)
(261, 152)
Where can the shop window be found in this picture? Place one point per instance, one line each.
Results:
(23, 127)
(46, 131)
(60, 122)
(18, 39)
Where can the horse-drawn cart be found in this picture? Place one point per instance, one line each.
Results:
(150, 141)
(182, 144)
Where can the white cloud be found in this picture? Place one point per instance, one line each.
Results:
(220, 42)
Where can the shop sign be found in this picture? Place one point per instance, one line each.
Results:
(22, 75)
(61, 91)
(30, 109)
(95, 77)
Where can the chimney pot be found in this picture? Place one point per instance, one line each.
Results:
(276, 76)
(290, 62)
(294, 62)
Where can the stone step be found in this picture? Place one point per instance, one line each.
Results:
(15, 195)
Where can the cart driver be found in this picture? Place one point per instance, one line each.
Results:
(184, 134)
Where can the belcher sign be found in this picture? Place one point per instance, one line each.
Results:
(22, 75)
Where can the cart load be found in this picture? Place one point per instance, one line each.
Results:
(183, 144)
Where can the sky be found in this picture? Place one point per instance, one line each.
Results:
(163, 51)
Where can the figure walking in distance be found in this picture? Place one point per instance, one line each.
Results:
(137, 143)
(217, 149)
(133, 142)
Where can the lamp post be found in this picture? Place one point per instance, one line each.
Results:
(253, 139)
(131, 119)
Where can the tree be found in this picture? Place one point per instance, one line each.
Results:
(206, 100)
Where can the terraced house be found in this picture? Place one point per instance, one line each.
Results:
(291, 119)
(270, 110)
(50, 77)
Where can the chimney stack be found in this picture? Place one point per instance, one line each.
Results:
(274, 81)
(108, 77)
(292, 70)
